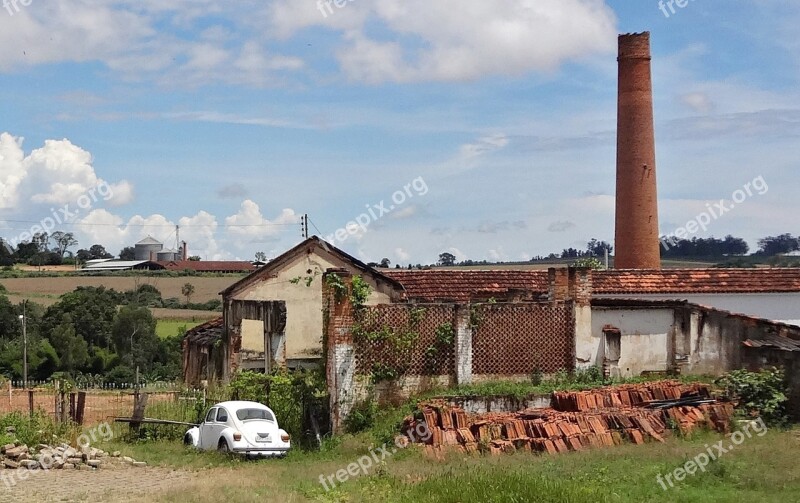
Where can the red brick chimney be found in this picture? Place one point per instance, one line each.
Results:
(637, 244)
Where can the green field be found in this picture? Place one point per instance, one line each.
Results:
(762, 469)
(170, 327)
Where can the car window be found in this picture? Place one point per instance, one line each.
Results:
(211, 414)
(246, 414)
(222, 415)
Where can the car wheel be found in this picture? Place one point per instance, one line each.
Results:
(223, 446)
(187, 440)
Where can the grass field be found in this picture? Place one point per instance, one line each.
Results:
(761, 469)
(47, 290)
(170, 327)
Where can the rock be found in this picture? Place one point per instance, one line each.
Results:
(58, 464)
(84, 467)
(94, 463)
(127, 459)
(42, 447)
(139, 464)
(7, 447)
(16, 452)
(29, 464)
(116, 454)
(68, 466)
(70, 452)
(23, 456)
(10, 429)
(75, 461)
(11, 464)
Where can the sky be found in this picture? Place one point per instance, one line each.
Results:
(403, 129)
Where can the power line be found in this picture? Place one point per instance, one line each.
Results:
(145, 225)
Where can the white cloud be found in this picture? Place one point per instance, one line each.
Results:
(12, 171)
(56, 174)
(698, 102)
(401, 255)
(469, 39)
(250, 226)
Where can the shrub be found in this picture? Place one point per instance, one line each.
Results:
(759, 394)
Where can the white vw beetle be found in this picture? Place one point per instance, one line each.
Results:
(248, 428)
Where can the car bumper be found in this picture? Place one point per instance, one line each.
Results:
(263, 453)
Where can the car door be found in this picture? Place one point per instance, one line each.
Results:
(207, 441)
(221, 422)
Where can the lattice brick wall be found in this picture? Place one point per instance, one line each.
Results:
(402, 339)
(514, 339)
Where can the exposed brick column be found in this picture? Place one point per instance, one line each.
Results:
(636, 241)
(341, 363)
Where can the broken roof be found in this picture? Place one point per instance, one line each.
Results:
(460, 286)
(773, 341)
(206, 334)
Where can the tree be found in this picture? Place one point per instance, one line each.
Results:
(195, 258)
(446, 259)
(26, 250)
(71, 348)
(63, 241)
(135, 339)
(598, 248)
(775, 245)
(385, 263)
(261, 256)
(42, 242)
(92, 311)
(127, 253)
(187, 291)
(6, 254)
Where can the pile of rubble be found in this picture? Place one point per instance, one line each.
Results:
(578, 420)
(62, 457)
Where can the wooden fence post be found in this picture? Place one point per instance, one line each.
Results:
(30, 401)
(79, 409)
(139, 404)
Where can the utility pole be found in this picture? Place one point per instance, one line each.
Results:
(24, 319)
(304, 225)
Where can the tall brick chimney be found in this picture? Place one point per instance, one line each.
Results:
(637, 244)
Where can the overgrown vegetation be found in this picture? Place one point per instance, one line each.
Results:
(759, 394)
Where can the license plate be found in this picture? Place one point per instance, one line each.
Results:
(262, 439)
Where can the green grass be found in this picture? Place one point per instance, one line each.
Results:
(761, 469)
(171, 328)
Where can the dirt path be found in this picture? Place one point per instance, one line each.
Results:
(107, 485)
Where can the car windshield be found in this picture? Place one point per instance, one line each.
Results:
(247, 414)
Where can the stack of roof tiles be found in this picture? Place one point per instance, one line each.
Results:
(601, 418)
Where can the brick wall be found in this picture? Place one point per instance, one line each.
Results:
(390, 352)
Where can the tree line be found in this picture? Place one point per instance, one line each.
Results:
(91, 330)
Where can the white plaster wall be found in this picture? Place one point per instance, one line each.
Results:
(771, 306)
(644, 341)
(585, 343)
(304, 316)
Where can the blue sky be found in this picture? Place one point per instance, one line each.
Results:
(495, 121)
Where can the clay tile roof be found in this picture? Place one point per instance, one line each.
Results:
(206, 334)
(761, 280)
(460, 286)
(208, 266)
